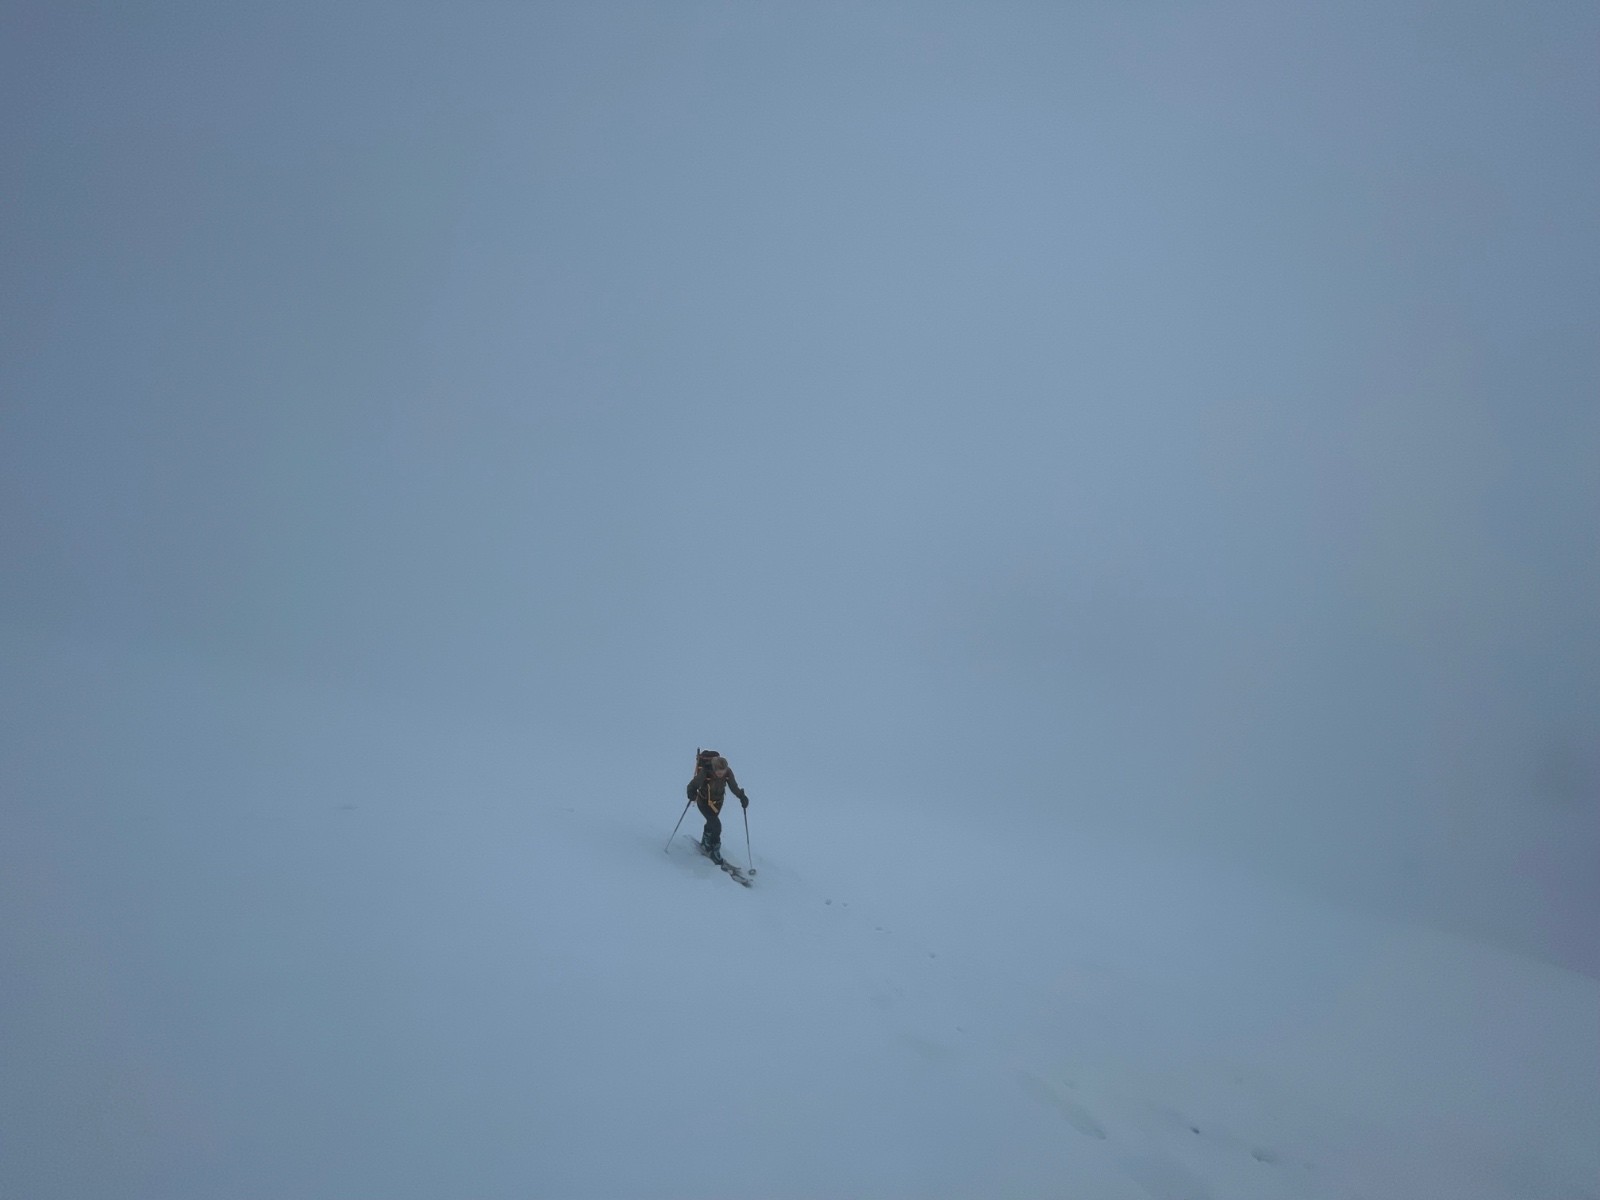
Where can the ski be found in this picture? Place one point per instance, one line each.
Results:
(735, 873)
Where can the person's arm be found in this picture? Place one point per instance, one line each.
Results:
(733, 786)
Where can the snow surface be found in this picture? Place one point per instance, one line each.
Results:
(262, 940)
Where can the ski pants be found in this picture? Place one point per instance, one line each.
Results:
(713, 834)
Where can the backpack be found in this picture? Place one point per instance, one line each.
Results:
(702, 772)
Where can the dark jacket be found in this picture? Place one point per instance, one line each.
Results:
(711, 790)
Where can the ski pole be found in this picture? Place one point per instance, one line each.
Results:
(748, 857)
(667, 848)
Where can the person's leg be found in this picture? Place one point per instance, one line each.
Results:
(711, 839)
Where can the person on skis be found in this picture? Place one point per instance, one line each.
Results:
(713, 779)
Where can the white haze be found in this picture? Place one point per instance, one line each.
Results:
(1172, 428)
(276, 941)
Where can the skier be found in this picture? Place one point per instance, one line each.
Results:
(712, 780)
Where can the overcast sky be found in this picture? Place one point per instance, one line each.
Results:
(1177, 415)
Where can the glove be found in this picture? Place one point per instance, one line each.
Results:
(744, 801)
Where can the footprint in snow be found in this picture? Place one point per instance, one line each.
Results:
(1262, 1154)
(928, 1049)
(1164, 1178)
(1079, 1117)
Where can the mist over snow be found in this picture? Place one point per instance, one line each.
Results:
(276, 940)
(1119, 485)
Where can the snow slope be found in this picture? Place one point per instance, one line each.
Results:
(263, 941)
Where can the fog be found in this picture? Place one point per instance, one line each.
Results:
(1180, 421)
